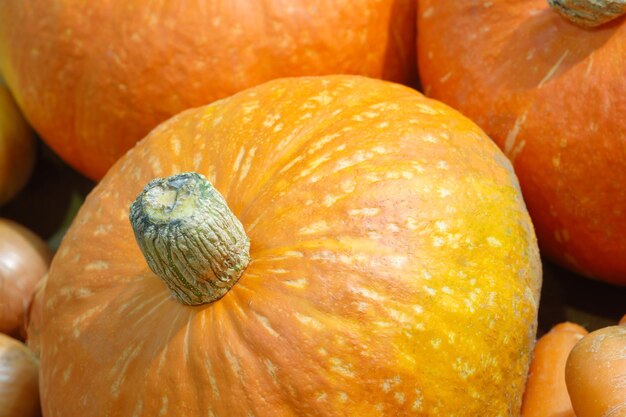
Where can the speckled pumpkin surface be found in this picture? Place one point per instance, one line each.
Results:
(94, 77)
(393, 271)
(553, 96)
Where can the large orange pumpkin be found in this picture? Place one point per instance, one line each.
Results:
(95, 77)
(552, 94)
(393, 268)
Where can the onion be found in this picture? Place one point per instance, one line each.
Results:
(19, 391)
(24, 260)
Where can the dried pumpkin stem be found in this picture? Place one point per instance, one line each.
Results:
(589, 13)
(189, 237)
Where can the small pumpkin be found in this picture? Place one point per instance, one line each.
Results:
(322, 246)
(551, 94)
(95, 78)
(17, 147)
(595, 373)
(546, 393)
(19, 392)
(24, 260)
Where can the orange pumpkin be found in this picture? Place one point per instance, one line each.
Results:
(17, 147)
(552, 95)
(391, 268)
(595, 373)
(546, 393)
(94, 78)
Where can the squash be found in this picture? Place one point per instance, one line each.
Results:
(19, 393)
(551, 94)
(24, 260)
(322, 246)
(546, 393)
(17, 147)
(595, 373)
(94, 78)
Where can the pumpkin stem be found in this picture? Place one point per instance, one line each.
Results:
(589, 13)
(189, 237)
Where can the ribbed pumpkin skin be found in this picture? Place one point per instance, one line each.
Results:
(553, 96)
(394, 269)
(95, 77)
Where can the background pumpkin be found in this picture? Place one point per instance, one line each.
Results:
(595, 373)
(17, 147)
(546, 393)
(394, 268)
(551, 94)
(95, 77)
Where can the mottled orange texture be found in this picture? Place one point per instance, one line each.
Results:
(394, 269)
(546, 393)
(595, 373)
(95, 77)
(553, 97)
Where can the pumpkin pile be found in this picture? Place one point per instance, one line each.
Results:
(278, 223)
(577, 373)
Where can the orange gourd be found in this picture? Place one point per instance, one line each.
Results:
(371, 255)
(94, 78)
(24, 260)
(546, 393)
(551, 94)
(595, 373)
(17, 147)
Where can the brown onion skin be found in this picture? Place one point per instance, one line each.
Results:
(24, 260)
(19, 390)
(34, 316)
